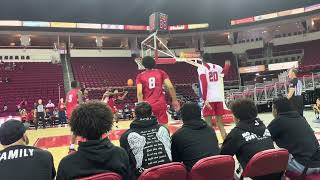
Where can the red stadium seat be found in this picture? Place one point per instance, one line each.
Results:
(267, 162)
(213, 168)
(295, 176)
(170, 171)
(104, 176)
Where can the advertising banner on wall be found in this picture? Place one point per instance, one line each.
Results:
(252, 69)
(113, 26)
(242, 21)
(88, 26)
(10, 23)
(178, 27)
(63, 25)
(198, 26)
(285, 65)
(135, 28)
(312, 8)
(35, 24)
(265, 16)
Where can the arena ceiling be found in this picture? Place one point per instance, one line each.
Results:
(215, 12)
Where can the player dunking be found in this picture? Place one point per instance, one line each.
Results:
(110, 97)
(209, 75)
(74, 98)
(149, 89)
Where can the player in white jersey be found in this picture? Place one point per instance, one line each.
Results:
(209, 75)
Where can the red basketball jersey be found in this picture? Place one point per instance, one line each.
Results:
(152, 83)
(110, 102)
(72, 101)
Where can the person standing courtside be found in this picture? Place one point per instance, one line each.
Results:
(74, 98)
(295, 91)
(40, 114)
(209, 76)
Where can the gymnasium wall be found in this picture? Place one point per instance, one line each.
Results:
(99, 53)
(29, 55)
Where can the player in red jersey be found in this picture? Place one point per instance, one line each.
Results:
(149, 89)
(110, 97)
(74, 98)
(209, 75)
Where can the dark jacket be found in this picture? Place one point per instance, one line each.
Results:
(147, 143)
(292, 132)
(94, 157)
(193, 141)
(247, 139)
(26, 162)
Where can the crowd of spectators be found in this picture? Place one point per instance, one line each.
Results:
(147, 143)
(45, 114)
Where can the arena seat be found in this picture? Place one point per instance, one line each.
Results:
(311, 59)
(268, 162)
(103, 176)
(170, 171)
(295, 176)
(33, 81)
(214, 168)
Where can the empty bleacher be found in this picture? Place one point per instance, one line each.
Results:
(31, 81)
(311, 60)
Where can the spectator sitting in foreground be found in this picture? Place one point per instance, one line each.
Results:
(249, 137)
(188, 142)
(96, 155)
(19, 161)
(147, 142)
(291, 131)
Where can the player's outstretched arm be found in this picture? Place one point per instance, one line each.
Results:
(123, 96)
(139, 93)
(172, 92)
(105, 95)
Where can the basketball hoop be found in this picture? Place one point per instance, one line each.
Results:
(149, 47)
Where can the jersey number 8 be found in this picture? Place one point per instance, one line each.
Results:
(152, 82)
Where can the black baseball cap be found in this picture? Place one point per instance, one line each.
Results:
(11, 131)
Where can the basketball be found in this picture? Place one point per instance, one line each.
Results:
(130, 82)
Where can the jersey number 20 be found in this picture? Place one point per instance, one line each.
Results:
(213, 76)
(152, 82)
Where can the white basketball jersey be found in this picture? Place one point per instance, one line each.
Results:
(213, 74)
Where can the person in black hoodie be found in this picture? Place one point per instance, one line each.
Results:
(147, 142)
(249, 137)
(95, 155)
(291, 131)
(195, 139)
